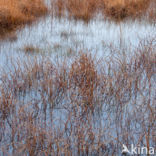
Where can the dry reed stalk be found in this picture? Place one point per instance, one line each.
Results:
(45, 107)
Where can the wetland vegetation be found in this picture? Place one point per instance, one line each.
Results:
(77, 77)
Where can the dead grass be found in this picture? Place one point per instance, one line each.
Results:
(113, 9)
(30, 49)
(151, 13)
(14, 13)
(121, 9)
(77, 9)
(86, 108)
(83, 76)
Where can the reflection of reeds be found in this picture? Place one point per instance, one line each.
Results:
(14, 13)
(85, 108)
(114, 9)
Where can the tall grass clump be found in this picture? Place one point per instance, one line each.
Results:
(84, 78)
(112, 9)
(14, 13)
(121, 9)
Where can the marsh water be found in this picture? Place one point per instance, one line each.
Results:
(64, 39)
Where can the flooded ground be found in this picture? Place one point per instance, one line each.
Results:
(61, 39)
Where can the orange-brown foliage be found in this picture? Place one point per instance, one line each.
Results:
(14, 13)
(114, 9)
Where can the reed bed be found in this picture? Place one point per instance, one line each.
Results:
(14, 13)
(88, 107)
(111, 9)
